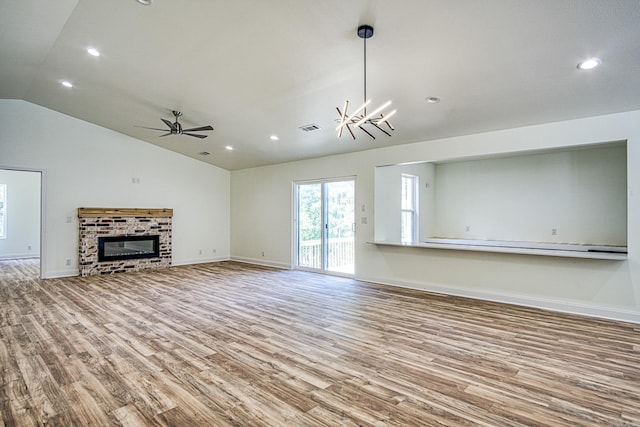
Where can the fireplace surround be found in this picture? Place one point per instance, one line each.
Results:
(115, 240)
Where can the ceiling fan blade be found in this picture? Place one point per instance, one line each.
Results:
(166, 134)
(144, 127)
(195, 134)
(198, 129)
(168, 123)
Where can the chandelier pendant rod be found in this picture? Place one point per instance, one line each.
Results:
(365, 72)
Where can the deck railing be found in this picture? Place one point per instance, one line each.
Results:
(340, 253)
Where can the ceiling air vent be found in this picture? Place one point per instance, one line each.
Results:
(204, 153)
(309, 128)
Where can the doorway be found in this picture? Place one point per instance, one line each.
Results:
(21, 218)
(325, 225)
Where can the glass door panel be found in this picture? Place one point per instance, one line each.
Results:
(340, 226)
(310, 225)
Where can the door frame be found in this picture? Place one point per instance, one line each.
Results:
(294, 223)
(43, 174)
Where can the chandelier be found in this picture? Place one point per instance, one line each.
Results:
(360, 117)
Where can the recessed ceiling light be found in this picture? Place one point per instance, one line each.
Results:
(93, 51)
(588, 64)
(274, 137)
(145, 2)
(432, 100)
(228, 148)
(66, 83)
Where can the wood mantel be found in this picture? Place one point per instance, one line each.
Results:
(137, 212)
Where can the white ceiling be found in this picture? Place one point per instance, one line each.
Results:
(252, 68)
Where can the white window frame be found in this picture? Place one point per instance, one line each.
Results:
(411, 208)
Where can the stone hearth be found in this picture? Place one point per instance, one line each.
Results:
(103, 222)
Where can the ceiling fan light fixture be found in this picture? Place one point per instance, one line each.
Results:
(432, 100)
(66, 83)
(145, 2)
(93, 51)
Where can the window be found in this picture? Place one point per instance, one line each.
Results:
(409, 197)
(3, 211)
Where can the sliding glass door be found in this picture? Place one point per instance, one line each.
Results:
(325, 225)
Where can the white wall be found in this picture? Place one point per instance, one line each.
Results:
(388, 197)
(89, 166)
(582, 194)
(23, 214)
(261, 207)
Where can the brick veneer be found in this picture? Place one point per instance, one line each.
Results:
(122, 222)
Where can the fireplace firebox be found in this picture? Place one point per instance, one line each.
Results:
(116, 248)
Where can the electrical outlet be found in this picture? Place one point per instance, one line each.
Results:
(262, 253)
(68, 220)
(467, 228)
(554, 231)
(29, 247)
(214, 251)
(199, 251)
(67, 261)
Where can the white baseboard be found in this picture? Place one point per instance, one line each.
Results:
(262, 262)
(24, 255)
(61, 274)
(534, 302)
(199, 260)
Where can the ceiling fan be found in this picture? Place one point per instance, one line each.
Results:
(175, 128)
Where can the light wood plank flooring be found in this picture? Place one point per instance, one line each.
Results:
(229, 344)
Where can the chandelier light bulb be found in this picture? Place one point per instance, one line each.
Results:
(351, 117)
(373, 113)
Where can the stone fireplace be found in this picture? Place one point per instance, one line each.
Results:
(123, 239)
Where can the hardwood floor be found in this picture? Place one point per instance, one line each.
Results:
(230, 344)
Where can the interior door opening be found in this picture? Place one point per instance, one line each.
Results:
(21, 218)
(325, 226)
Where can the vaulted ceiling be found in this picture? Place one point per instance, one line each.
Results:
(255, 68)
